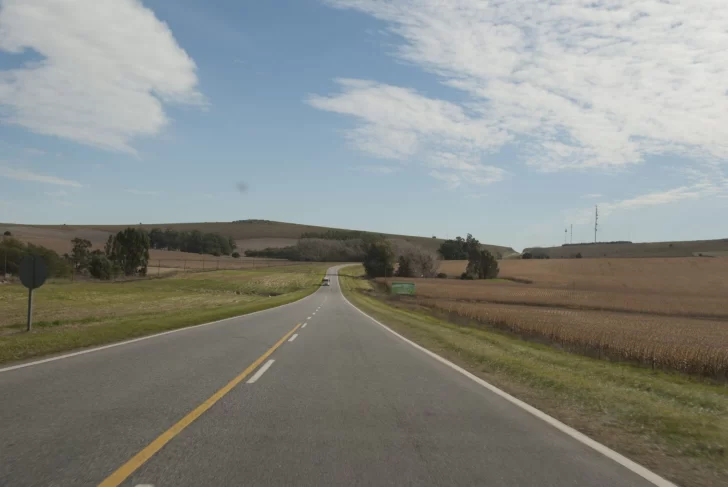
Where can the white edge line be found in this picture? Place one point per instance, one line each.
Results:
(608, 452)
(134, 340)
(295, 335)
(261, 371)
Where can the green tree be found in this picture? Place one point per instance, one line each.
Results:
(157, 239)
(404, 269)
(131, 251)
(80, 254)
(171, 239)
(481, 265)
(379, 258)
(453, 249)
(7, 233)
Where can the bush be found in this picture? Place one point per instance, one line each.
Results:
(441, 275)
(466, 277)
(8, 233)
(101, 267)
(236, 254)
(527, 255)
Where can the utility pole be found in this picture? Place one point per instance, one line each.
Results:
(571, 237)
(596, 221)
(566, 232)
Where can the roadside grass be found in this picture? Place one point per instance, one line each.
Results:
(671, 423)
(76, 315)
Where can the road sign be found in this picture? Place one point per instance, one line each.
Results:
(403, 288)
(33, 273)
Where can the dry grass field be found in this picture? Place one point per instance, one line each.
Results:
(667, 313)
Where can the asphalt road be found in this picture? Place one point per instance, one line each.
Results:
(345, 402)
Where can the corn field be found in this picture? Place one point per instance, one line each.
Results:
(611, 310)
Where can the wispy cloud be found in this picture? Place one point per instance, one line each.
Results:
(592, 195)
(141, 192)
(580, 84)
(35, 152)
(655, 198)
(25, 175)
(399, 123)
(56, 194)
(99, 82)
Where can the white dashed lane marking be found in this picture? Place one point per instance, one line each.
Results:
(293, 337)
(261, 371)
(304, 325)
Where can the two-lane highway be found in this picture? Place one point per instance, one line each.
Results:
(312, 393)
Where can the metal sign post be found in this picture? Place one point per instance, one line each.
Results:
(33, 274)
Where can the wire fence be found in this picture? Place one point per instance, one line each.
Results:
(160, 267)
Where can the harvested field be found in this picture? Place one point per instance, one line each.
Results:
(665, 313)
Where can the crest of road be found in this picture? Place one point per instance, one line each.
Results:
(311, 393)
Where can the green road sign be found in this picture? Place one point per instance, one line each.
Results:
(403, 288)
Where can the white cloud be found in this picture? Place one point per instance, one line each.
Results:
(399, 123)
(25, 175)
(35, 152)
(141, 192)
(583, 83)
(56, 194)
(592, 195)
(107, 67)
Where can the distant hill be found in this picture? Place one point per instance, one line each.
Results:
(248, 234)
(691, 248)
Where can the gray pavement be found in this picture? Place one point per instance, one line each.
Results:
(344, 403)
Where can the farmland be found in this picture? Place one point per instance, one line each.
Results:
(71, 315)
(664, 313)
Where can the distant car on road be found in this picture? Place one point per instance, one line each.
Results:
(326, 282)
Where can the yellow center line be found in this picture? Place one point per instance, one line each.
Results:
(143, 456)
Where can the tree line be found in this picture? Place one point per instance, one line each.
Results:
(413, 261)
(126, 253)
(193, 241)
(12, 252)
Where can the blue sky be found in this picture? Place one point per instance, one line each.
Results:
(506, 119)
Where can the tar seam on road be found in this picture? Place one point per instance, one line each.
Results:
(123, 472)
(261, 371)
(133, 340)
(293, 337)
(582, 438)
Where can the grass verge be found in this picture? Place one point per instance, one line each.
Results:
(71, 316)
(673, 424)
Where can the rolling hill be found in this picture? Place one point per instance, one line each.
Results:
(248, 234)
(691, 248)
